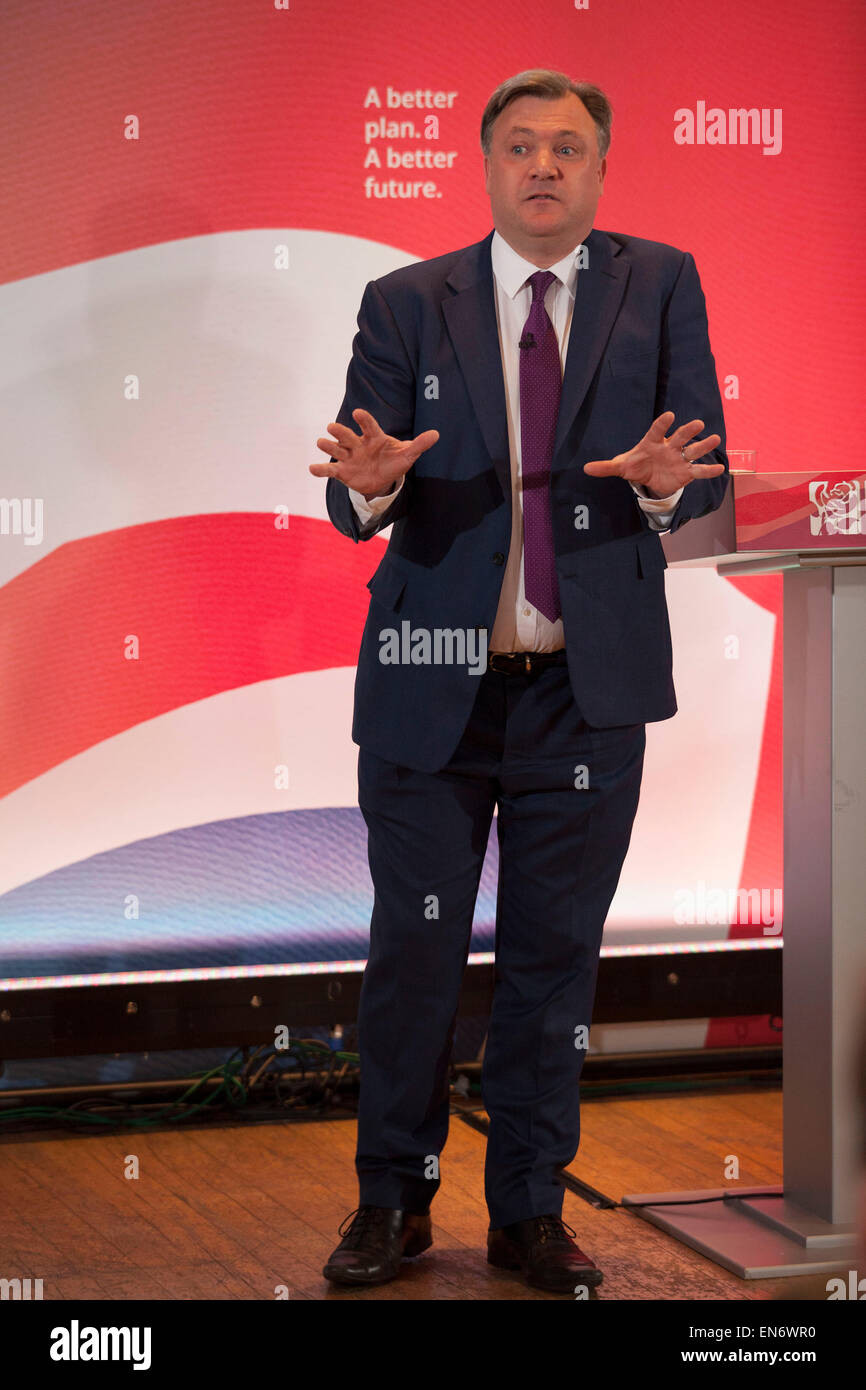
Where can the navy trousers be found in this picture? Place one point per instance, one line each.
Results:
(566, 796)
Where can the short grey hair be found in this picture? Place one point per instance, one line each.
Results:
(544, 82)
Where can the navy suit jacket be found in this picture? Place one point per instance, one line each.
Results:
(426, 356)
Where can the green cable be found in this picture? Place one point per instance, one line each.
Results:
(232, 1091)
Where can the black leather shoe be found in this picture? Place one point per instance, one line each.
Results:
(541, 1247)
(375, 1243)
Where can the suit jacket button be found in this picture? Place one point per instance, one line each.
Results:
(499, 558)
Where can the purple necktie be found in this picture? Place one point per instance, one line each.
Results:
(540, 389)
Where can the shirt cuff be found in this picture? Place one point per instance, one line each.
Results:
(367, 510)
(660, 509)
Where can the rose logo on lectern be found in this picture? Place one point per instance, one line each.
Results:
(838, 509)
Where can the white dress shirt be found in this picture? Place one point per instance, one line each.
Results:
(519, 626)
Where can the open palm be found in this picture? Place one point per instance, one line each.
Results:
(663, 465)
(369, 462)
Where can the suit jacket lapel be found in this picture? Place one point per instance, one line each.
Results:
(600, 288)
(470, 316)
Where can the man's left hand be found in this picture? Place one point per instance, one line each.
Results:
(657, 463)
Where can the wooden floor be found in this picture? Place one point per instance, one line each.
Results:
(235, 1212)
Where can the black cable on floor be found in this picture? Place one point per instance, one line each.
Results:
(599, 1200)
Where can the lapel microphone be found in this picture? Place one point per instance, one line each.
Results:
(527, 341)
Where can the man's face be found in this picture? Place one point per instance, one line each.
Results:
(543, 176)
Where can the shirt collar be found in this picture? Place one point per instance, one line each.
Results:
(512, 271)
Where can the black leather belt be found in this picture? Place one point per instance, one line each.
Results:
(519, 663)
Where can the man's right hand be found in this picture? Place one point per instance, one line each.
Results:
(372, 461)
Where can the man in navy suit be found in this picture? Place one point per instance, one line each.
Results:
(516, 403)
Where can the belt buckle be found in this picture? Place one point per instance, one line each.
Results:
(510, 668)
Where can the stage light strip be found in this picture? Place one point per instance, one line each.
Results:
(678, 948)
(343, 967)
